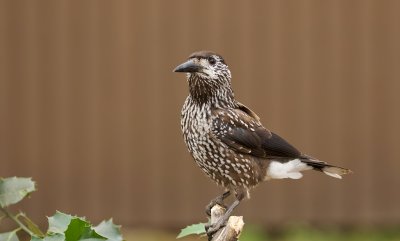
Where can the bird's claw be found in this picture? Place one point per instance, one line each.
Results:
(211, 229)
(212, 204)
(208, 210)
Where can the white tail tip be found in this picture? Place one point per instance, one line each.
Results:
(335, 172)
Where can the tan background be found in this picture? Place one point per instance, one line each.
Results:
(90, 108)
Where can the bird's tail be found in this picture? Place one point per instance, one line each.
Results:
(330, 170)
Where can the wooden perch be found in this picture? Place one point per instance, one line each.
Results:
(233, 228)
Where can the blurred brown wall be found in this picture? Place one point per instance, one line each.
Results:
(90, 108)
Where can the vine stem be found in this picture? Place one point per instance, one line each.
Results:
(20, 224)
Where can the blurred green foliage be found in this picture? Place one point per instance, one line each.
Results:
(305, 233)
(62, 227)
(294, 233)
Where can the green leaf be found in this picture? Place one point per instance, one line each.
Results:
(80, 229)
(10, 236)
(192, 229)
(64, 227)
(14, 189)
(59, 222)
(109, 230)
(50, 237)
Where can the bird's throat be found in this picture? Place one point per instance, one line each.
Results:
(203, 90)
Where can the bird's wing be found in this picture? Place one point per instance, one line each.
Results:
(241, 130)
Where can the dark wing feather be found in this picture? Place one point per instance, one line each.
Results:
(279, 147)
(249, 112)
(241, 130)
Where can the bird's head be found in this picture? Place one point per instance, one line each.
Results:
(205, 64)
(208, 75)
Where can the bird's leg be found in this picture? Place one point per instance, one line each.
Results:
(218, 200)
(212, 229)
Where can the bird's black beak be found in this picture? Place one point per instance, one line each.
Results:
(189, 66)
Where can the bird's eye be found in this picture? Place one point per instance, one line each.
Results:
(211, 60)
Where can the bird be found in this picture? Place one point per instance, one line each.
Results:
(227, 139)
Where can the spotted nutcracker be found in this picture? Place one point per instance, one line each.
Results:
(228, 141)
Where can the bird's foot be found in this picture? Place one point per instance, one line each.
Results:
(218, 200)
(211, 229)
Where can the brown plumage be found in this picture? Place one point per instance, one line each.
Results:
(227, 139)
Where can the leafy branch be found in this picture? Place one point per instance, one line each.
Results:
(62, 227)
